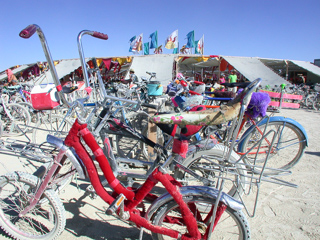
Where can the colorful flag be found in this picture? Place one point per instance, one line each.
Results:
(132, 42)
(172, 40)
(146, 49)
(199, 46)
(158, 50)
(190, 37)
(175, 51)
(154, 40)
(136, 44)
(185, 50)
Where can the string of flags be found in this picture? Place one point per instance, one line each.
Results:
(171, 42)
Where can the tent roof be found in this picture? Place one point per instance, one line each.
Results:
(63, 68)
(307, 66)
(161, 64)
(15, 71)
(252, 68)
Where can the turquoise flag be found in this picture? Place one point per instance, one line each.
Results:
(196, 50)
(154, 40)
(190, 37)
(146, 48)
(175, 50)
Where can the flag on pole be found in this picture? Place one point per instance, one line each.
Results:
(172, 40)
(146, 48)
(158, 50)
(132, 42)
(185, 50)
(136, 44)
(154, 40)
(199, 46)
(190, 37)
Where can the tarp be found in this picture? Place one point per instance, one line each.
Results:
(161, 64)
(252, 68)
(307, 66)
(63, 68)
(15, 71)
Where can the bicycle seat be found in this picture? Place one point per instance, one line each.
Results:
(237, 84)
(67, 89)
(213, 116)
(126, 81)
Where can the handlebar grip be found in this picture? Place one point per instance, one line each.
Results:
(28, 31)
(149, 105)
(100, 35)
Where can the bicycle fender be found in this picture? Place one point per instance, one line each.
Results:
(277, 119)
(191, 191)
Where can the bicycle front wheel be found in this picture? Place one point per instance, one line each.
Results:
(47, 219)
(56, 125)
(231, 225)
(287, 150)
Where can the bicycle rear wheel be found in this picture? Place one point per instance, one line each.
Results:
(232, 224)
(287, 150)
(47, 219)
(18, 122)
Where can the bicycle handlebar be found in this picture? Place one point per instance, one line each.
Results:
(28, 31)
(100, 35)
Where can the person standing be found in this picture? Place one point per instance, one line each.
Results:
(12, 80)
(233, 79)
(133, 77)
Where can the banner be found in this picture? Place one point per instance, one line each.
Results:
(136, 44)
(172, 40)
(154, 40)
(146, 49)
(199, 46)
(190, 37)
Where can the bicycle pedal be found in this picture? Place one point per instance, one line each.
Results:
(116, 204)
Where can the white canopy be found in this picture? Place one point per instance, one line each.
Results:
(63, 68)
(307, 66)
(252, 68)
(161, 64)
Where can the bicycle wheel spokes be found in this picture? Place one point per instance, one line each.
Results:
(286, 151)
(230, 224)
(45, 221)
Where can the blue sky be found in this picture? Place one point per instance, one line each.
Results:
(282, 29)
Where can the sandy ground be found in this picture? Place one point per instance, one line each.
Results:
(282, 212)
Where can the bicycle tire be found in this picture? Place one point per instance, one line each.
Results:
(46, 221)
(316, 103)
(19, 124)
(199, 163)
(231, 223)
(34, 114)
(53, 124)
(285, 156)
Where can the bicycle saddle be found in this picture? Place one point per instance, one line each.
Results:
(126, 81)
(237, 84)
(67, 89)
(213, 116)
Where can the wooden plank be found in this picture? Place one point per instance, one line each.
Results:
(284, 104)
(284, 96)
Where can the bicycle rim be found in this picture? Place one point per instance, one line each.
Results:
(286, 151)
(232, 224)
(45, 221)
